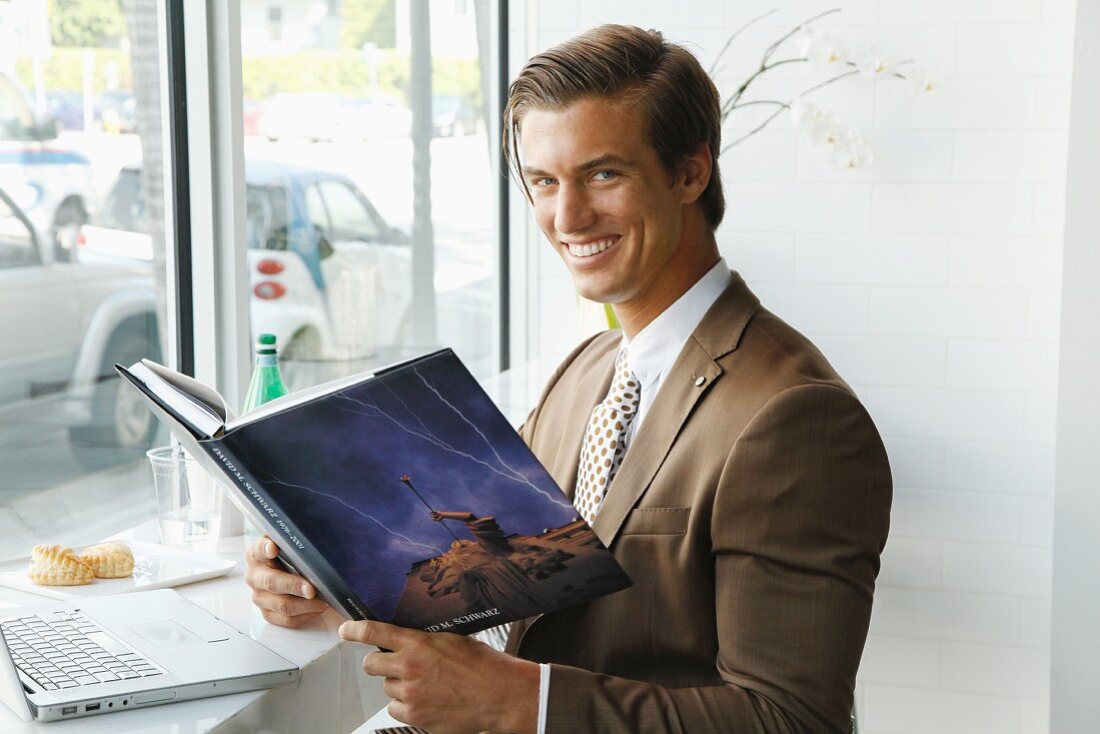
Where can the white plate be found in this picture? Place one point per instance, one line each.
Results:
(155, 567)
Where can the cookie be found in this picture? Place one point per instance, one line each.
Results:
(56, 565)
(112, 560)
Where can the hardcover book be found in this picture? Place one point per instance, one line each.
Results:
(403, 495)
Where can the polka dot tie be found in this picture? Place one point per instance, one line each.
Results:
(604, 441)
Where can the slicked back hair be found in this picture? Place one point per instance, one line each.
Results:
(679, 103)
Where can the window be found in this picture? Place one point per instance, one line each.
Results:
(81, 267)
(275, 23)
(392, 241)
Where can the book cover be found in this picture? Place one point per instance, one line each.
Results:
(423, 499)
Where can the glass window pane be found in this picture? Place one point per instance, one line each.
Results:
(82, 276)
(403, 256)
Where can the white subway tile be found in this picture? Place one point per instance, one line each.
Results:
(1044, 313)
(817, 309)
(1056, 40)
(1050, 209)
(1002, 365)
(1034, 716)
(970, 713)
(948, 312)
(899, 156)
(888, 361)
(1016, 468)
(955, 516)
(959, 414)
(871, 259)
(967, 103)
(996, 569)
(994, 156)
(1035, 623)
(902, 661)
(957, 11)
(1000, 50)
(912, 563)
(559, 14)
(1058, 10)
(945, 615)
(953, 209)
(770, 155)
(1037, 521)
(1051, 103)
(799, 207)
(914, 463)
(996, 669)
(759, 258)
(1051, 156)
(901, 710)
(1040, 417)
(998, 262)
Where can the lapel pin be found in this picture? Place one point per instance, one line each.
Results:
(699, 380)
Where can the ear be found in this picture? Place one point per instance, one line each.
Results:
(695, 171)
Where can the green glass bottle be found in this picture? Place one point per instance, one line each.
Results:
(267, 382)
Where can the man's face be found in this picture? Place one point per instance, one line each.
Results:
(608, 206)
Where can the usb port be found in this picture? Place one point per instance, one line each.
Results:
(68, 710)
(92, 707)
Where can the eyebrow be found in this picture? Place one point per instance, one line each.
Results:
(598, 162)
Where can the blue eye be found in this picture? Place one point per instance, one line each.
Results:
(544, 181)
(604, 175)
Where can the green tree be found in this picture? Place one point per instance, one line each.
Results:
(86, 23)
(366, 21)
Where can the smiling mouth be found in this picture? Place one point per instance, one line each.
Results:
(589, 249)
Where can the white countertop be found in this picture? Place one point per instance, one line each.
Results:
(333, 694)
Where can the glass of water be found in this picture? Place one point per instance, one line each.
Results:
(187, 500)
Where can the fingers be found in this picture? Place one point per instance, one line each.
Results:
(262, 551)
(285, 605)
(378, 634)
(283, 620)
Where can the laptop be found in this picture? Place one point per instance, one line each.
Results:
(66, 659)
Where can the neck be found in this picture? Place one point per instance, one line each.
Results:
(637, 314)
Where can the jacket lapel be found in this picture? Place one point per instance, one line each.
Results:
(689, 380)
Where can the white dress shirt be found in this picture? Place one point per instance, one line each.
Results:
(651, 354)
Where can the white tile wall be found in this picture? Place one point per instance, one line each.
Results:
(932, 281)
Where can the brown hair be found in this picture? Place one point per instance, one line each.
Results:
(679, 102)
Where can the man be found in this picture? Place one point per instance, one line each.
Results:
(752, 500)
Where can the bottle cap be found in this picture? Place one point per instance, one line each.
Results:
(266, 344)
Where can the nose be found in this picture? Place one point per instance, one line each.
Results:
(574, 210)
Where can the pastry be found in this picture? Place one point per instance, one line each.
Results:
(112, 560)
(56, 565)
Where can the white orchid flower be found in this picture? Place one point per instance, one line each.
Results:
(804, 112)
(872, 64)
(921, 80)
(827, 51)
(852, 155)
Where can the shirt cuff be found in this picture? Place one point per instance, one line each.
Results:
(544, 695)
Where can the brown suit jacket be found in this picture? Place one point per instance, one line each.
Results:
(750, 510)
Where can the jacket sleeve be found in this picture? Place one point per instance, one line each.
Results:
(800, 518)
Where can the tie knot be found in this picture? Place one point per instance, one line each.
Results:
(625, 389)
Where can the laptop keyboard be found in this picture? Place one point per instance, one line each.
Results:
(66, 650)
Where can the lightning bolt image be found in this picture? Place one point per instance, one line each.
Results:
(356, 510)
(426, 434)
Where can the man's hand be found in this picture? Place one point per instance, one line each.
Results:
(449, 683)
(283, 598)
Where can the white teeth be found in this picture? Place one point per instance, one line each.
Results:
(591, 248)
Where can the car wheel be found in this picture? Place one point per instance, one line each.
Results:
(122, 427)
(68, 220)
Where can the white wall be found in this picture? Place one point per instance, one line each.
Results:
(932, 281)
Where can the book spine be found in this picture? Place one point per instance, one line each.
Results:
(295, 550)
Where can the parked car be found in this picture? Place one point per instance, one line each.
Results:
(313, 116)
(454, 114)
(116, 111)
(52, 185)
(62, 326)
(327, 275)
(67, 107)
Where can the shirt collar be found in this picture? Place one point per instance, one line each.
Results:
(655, 348)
